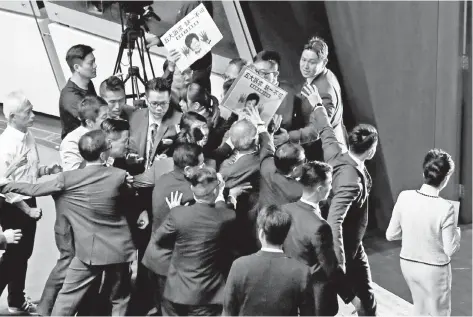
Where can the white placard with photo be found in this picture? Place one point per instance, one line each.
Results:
(193, 37)
(250, 89)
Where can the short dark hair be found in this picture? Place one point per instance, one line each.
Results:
(186, 154)
(89, 108)
(77, 54)
(253, 96)
(227, 84)
(189, 38)
(239, 62)
(438, 164)
(112, 83)
(362, 138)
(318, 46)
(268, 56)
(110, 126)
(288, 156)
(203, 180)
(314, 173)
(275, 224)
(158, 84)
(92, 144)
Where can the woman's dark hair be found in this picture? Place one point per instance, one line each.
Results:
(189, 38)
(362, 138)
(188, 119)
(438, 164)
(197, 93)
(253, 96)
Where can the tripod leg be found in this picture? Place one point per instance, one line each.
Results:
(118, 62)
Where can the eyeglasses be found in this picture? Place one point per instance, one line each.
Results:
(160, 104)
(264, 73)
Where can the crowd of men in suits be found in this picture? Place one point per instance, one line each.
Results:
(223, 215)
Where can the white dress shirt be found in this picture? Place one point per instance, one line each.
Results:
(69, 149)
(274, 250)
(151, 121)
(13, 143)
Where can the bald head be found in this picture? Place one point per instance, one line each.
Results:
(243, 135)
(92, 144)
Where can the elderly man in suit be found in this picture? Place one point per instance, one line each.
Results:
(310, 238)
(240, 168)
(91, 199)
(348, 212)
(283, 282)
(186, 157)
(201, 238)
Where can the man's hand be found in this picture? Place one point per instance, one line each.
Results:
(35, 213)
(175, 200)
(275, 123)
(152, 40)
(143, 220)
(133, 158)
(312, 94)
(252, 114)
(12, 236)
(53, 169)
(240, 189)
(281, 138)
(173, 57)
(129, 180)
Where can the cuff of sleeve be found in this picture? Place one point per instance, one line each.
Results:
(260, 128)
(230, 144)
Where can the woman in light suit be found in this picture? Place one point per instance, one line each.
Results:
(427, 226)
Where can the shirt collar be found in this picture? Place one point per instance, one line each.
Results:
(274, 250)
(93, 164)
(152, 120)
(16, 134)
(315, 206)
(359, 163)
(429, 190)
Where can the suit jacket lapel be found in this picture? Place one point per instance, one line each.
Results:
(143, 137)
(162, 129)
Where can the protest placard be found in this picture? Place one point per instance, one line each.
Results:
(193, 37)
(250, 89)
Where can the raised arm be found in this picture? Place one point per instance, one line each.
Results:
(451, 235)
(394, 231)
(330, 145)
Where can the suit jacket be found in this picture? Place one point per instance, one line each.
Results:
(91, 200)
(310, 241)
(234, 173)
(348, 212)
(200, 236)
(275, 188)
(139, 134)
(156, 258)
(268, 284)
(330, 92)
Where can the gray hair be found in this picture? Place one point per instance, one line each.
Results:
(14, 102)
(242, 134)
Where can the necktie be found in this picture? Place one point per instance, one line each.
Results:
(154, 128)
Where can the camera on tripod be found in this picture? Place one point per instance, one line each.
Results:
(137, 14)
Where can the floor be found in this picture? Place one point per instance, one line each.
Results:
(390, 288)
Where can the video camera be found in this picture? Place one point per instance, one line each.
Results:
(138, 13)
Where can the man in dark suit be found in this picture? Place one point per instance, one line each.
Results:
(243, 167)
(153, 130)
(310, 238)
(112, 90)
(269, 283)
(91, 199)
(200, 236)
(312, 64)
(186, 157)
(152, 133)
(348, 213)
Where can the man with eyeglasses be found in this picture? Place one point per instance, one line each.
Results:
(152, 133)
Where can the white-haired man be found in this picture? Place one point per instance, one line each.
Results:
(17, 211)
